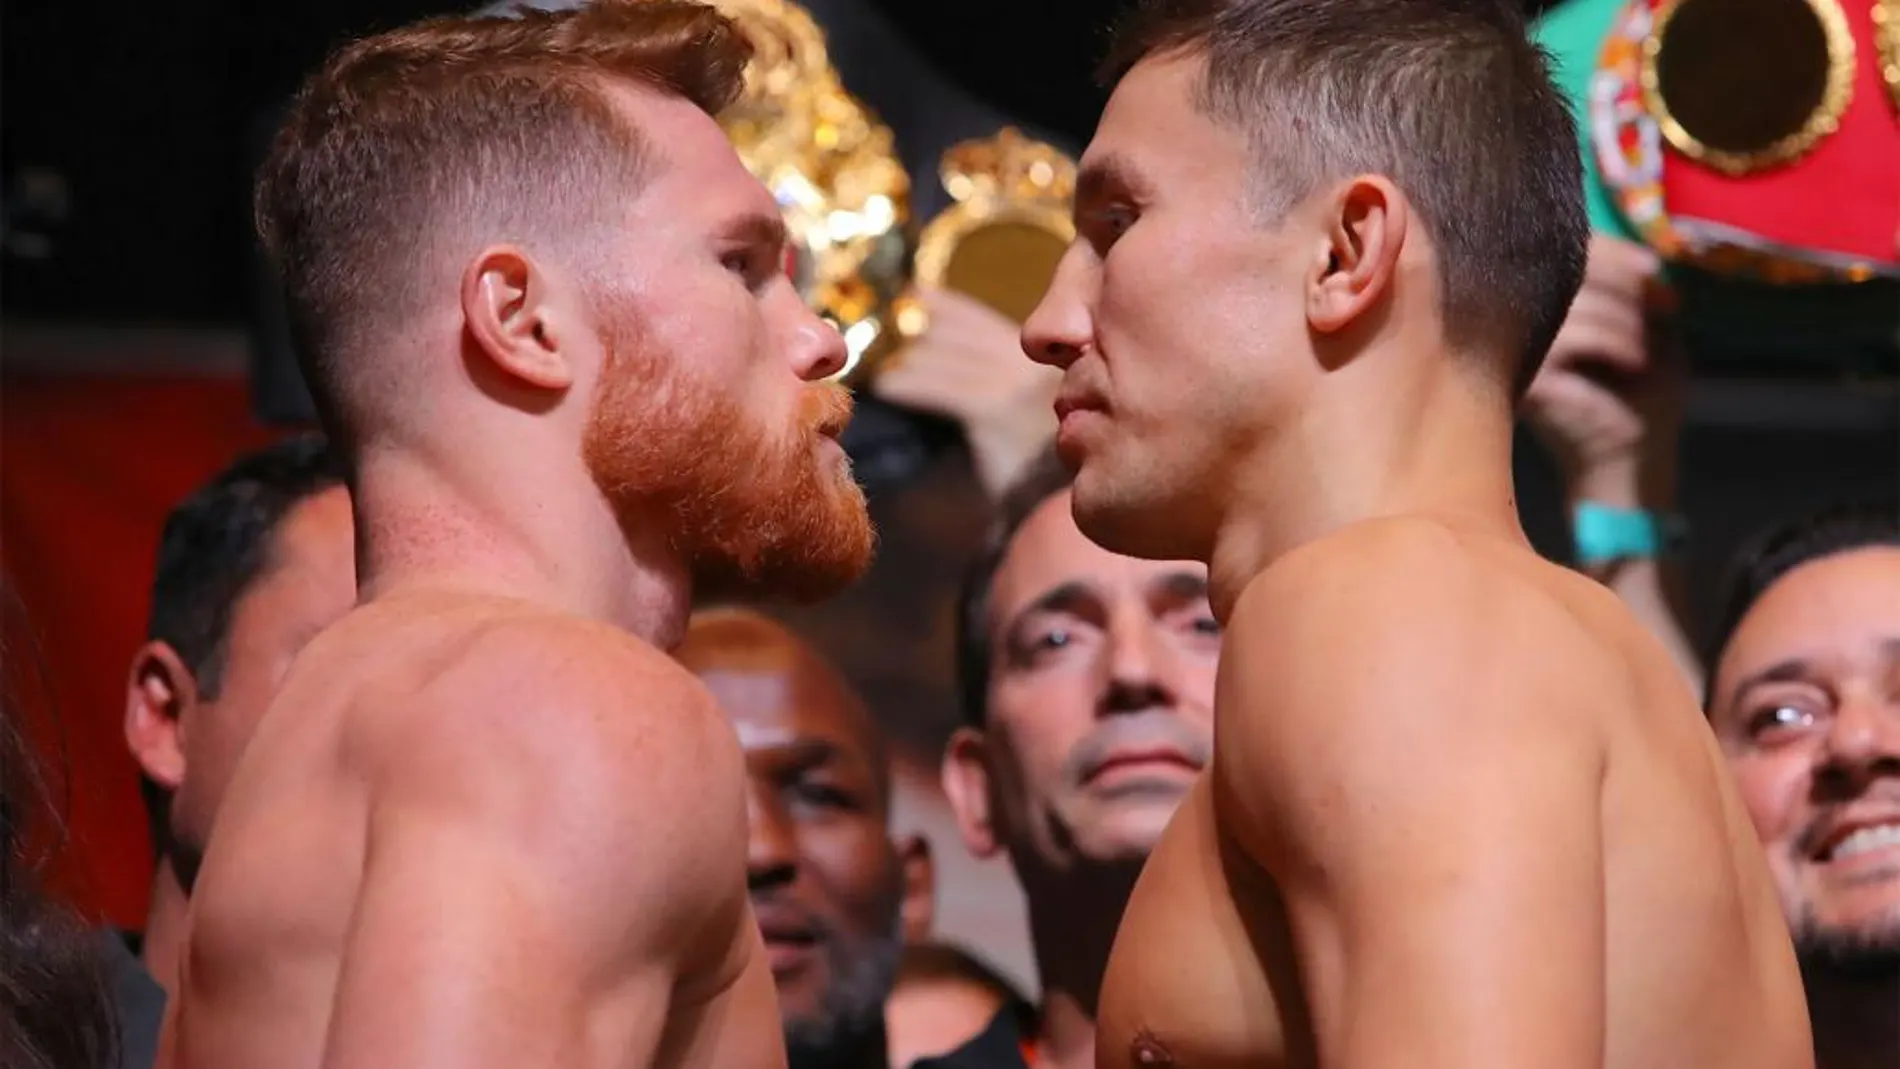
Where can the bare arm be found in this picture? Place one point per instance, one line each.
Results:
(543, 858)
(1428, 810)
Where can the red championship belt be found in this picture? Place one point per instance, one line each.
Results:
(1757, 139)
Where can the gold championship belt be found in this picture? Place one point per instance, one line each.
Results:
(833, 168)
(1000, 242)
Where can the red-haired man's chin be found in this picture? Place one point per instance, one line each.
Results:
(817, 559)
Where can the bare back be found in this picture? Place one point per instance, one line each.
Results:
(1379, 942)
(367, 897)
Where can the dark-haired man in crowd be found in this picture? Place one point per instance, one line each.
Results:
(250, 567)
(1087, 683)
(1805, 697)
(835, 894)
(1322, 249)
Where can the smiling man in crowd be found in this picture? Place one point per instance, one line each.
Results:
(1805, 697)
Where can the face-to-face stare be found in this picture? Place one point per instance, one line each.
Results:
(1806, 703)
(1172, 314)
(308, 583)
(829, 887)
(1100, 701)
(709, 411)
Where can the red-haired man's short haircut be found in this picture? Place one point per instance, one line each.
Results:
(409, 151)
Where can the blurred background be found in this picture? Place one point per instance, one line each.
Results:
(141, 350)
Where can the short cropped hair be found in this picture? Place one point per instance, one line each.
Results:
(214, 547)
(221, 540)
(426, 142)
(1447, 98)
(1780, 550)
(1044, 478)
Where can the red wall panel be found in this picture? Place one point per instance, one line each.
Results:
(88, 469)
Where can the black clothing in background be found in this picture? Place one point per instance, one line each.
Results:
(137, 1000)
(1000, 1046)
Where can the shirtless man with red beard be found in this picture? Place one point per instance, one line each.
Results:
(487, 821)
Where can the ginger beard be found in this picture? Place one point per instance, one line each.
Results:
(751, 508)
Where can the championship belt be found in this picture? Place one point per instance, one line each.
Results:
(1755, 144)
(1008, 228)
(834, 170)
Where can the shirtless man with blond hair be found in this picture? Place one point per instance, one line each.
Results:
(1462, 810)
(487, 821)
